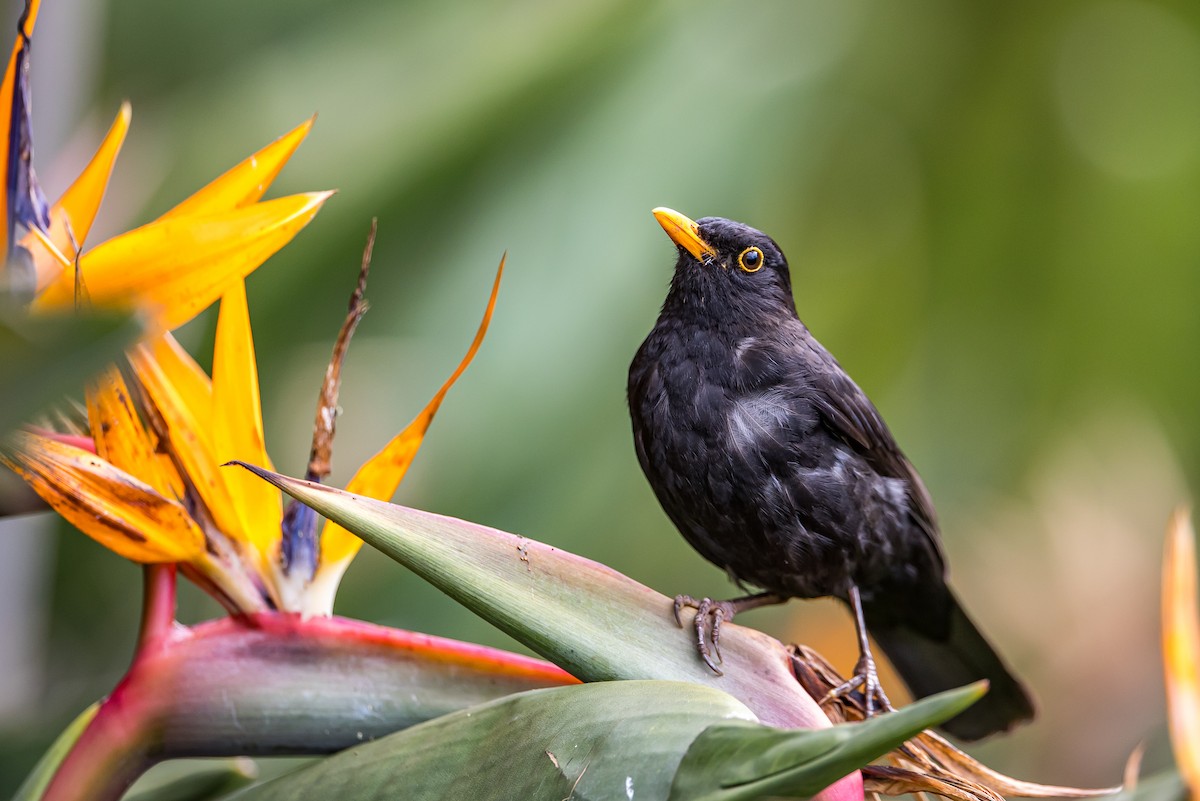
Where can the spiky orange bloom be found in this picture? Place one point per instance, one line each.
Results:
(179, 264)
(155, 490)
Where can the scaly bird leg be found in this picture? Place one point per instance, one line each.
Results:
(865, 674)
(709, 616)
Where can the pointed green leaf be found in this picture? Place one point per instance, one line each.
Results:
(734, 761)
(39, 778)
(611, 740)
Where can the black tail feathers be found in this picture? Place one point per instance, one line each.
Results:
(930, 665)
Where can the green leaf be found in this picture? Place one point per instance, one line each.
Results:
(45, 357)
(611, 740)
(39, 778)
(199, 782)
(596, 623)
(734, 761)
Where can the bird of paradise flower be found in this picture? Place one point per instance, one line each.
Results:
(143, 477)
(148, 484)
(153, 490)
(156, 492)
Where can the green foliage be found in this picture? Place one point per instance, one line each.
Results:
(613, 740)
(736, 762)
(581, 741)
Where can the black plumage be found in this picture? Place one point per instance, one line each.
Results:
(775, 466)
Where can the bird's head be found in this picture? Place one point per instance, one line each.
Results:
(725, 266)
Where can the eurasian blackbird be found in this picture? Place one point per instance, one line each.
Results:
(775, 466)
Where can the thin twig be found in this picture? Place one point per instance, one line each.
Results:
(320, 457)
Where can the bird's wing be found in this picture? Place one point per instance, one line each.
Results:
(850, 415)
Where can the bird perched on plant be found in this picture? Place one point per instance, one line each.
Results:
(775, 466)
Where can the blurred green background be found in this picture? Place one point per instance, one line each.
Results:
(992, 211)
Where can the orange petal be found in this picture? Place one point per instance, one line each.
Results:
(1181, 647)
(6, 121)
(237, 428)
(122, 440)
(72, 216)
(245, 183)
(188, 378)
(381, 474)
(188, 439)
(191, 384)
(182, 264)
(109, 505)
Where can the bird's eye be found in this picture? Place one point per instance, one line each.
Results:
(750, 260)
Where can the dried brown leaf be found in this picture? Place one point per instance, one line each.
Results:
(927, 763)
(900, 781)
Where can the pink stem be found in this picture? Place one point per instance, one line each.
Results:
(158, 606)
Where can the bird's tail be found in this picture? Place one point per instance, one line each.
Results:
(930, 665)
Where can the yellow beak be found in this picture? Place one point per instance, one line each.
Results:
(685, 233)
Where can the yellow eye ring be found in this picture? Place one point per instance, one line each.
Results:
(751, 260)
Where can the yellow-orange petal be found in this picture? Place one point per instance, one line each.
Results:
(381, 474)
(190, 442)
(237, 427)
(112, 507)
(180, 265)
(187, 377)
(7, 87)
(72, 216)
(122, 440)
(192, 386)
(246, 182)
(1181, 647)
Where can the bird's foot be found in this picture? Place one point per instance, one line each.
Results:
(866, 680)
(707, 623)
(711, 614)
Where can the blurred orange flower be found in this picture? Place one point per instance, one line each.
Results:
(1181, 647)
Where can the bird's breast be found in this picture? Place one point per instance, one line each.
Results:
(735, 449)
(709, 437)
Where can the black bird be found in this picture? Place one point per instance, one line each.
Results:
(775, 466)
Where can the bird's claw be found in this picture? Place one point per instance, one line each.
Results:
(707, 623)
(865, 677)
(683, 602)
